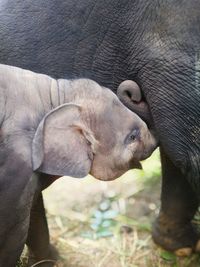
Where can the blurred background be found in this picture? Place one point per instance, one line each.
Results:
(108, 224)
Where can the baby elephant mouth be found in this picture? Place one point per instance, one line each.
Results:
(108, 173)
(135, 165)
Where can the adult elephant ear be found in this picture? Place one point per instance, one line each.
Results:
(62, 145)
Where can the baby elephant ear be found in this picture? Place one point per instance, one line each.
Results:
(59, 146)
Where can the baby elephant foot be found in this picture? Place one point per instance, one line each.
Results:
(182, 239)
(44, 261)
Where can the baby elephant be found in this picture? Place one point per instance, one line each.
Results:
(52, 128)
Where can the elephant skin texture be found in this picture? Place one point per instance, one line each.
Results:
(51, 128)
(154, 43)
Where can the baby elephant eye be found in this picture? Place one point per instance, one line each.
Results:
(134, 134)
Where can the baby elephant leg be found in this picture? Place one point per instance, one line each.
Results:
(38, 242)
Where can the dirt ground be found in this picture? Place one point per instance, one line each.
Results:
(108, 224)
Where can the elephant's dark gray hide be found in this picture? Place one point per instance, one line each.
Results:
(155, 43)
(58, 127)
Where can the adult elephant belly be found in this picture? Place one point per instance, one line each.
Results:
(114, 40)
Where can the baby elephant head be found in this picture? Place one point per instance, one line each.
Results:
(93, 132)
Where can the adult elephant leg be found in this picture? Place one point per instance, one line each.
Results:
(38, 242)
(173, 229)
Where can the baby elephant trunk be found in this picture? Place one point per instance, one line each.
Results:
(148, 142)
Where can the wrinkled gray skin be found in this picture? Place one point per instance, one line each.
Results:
(155, 43)
(68, 128)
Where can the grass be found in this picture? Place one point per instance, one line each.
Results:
(98, 224)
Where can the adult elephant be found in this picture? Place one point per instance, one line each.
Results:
(157, 44)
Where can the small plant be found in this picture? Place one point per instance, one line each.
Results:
(20, 264)
(102, 220)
